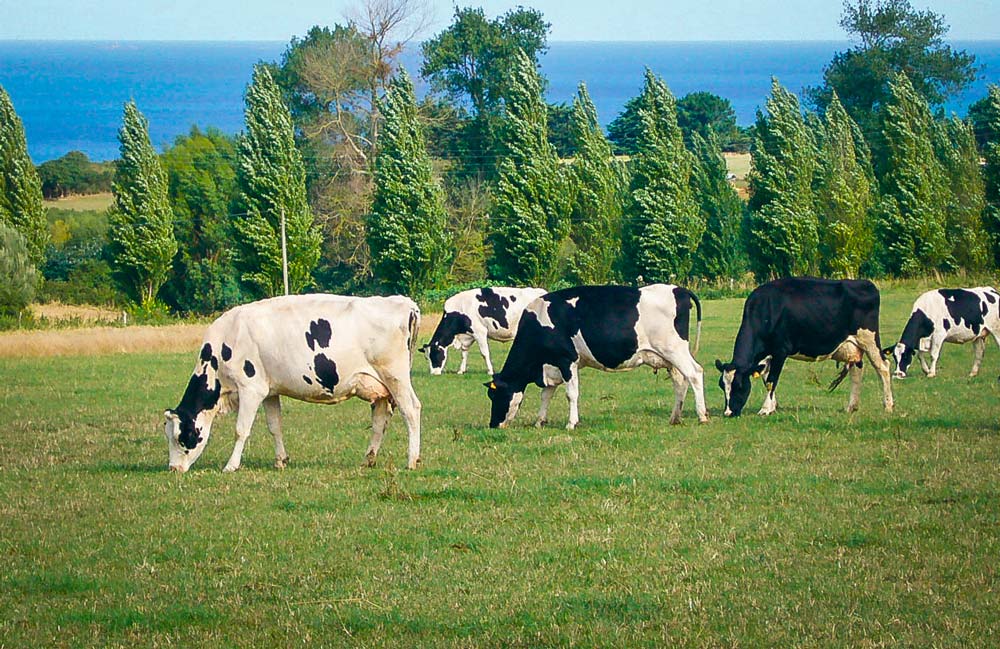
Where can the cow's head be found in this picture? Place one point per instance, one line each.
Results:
(186, 436)
(735, 384)
(903, 355)
(436, 355)
(505, 402)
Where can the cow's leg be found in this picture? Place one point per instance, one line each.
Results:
(872, 347)
(409, 407)
(484, 349)
(465, 360)
(771, 385)
(249, 402)
(978, 349)
(680, 392)
(923, 361)
(681, 361)
(381, 413)
(573, 396)
(272, 410)
(937, 342)
(857, 373)
(543, 410)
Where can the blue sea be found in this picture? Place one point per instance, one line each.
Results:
(70, 93)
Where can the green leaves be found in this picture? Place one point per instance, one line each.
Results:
(20, 188)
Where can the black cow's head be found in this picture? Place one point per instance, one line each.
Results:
(735, 384)
(505, 402)
(436, 355)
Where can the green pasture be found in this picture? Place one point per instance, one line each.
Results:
(810, 528)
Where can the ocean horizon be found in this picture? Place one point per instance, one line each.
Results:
(70, 94)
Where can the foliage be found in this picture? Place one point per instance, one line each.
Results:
(598, 198)
(20, 189)
(18, 277)
(892, 37)
(701, 112)
(991, 172)
(201, 172)
(782, 226)
(141, 238)
(911, 222)
(74, 173)
(720, 254)
(561, 129)
(406, 228)
(663, 224)
(470, 203)
(271, 181)
(955, 147)
(530, 216)
(624, 130)
(845, 195)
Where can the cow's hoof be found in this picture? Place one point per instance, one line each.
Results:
(281, 462)
(369, 460)
(230, 468)
(675, 421)
(539, 423)
(571, 425)
(703, 419)
(931, 375)
(412, 465)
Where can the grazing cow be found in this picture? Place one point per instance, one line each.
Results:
(316, 348)
(607, 327)
(806, 319)
(477, 315)
(959, 315)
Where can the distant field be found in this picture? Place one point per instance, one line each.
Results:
(810, 528)
(96, 202)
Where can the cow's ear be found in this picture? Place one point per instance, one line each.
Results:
(887, 352)
(171, 415)
(757, 371)
(424, 348)
(491, 385)
(719, 366)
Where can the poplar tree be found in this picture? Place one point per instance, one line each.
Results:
(910, 224)
(991, 172)
(406, 228)
(721, 254)
(663, 225)
(18, 277)
(531, 214)
(599, 193)
(964, 228)
(21, 204)
(140, 221)
(272, 183)
(782, 226)
(845, 195)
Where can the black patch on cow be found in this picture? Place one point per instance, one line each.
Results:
(319, 334)
(682, 319)
(964, 305)
(326, 372)
(513, 298)
(493, 305)
(307, 379)
(249, 369)
(990, 297)
(452, 324)
(215, 363)
(947, 324)
(414, 320)
(227, 353)
(197, 398)
(206, 352)
(917, 327)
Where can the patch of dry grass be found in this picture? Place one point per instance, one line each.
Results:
(90, 341)
(89, 202)
(87, 313)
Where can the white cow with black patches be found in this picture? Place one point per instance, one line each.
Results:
(611, 328)
(945, 315)
(477, 316)
(315, 348)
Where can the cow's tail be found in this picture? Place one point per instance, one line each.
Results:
(697, 335)
(835, 383)
(414, 327)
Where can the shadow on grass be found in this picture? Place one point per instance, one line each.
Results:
(127, 467)
(121, 619)
(52, 583)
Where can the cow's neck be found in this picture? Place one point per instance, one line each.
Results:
(749, 350)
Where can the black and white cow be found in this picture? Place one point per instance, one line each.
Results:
(948, 315)
(610, 328)
(806, 319)
(477, 315)
(316, 348)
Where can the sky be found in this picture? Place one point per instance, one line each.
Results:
(572, 20)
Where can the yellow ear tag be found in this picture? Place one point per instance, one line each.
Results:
(756, 375)
(493, 386)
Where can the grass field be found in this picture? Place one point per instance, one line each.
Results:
(808, 528)
(97, 202)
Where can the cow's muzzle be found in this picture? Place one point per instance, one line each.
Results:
(899, 375)
(178, 468)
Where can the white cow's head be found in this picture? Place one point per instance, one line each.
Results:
(188, 426)
(437, 356)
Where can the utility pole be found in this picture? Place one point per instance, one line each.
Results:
(284, 252)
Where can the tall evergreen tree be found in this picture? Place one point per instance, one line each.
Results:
(991, 173)
(599, 195)
(782, 226)
(21, 204)
(531, 214)
(910, 224)
(845, 195)
(721, 254)
(663, 225)
(18, 277)
(406, 227)
(271, 180)
(964, 227)
(140, 232)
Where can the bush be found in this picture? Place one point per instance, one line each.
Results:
(18, 277)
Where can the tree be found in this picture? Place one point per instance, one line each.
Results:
(271, 181)
(596, 213)
(991, 173)
(892, 37)
(21, 204)
(663, 225)
(955, 146)
(74, 173)
(703, 112)
(911, 217)
(845, 195)
(18, 277)
(201, 173)
(623, 131)
(720, 254)
(530, 217)
(406, 228)
(140, 234)
(782, 226)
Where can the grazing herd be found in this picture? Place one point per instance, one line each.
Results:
(328, 348)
